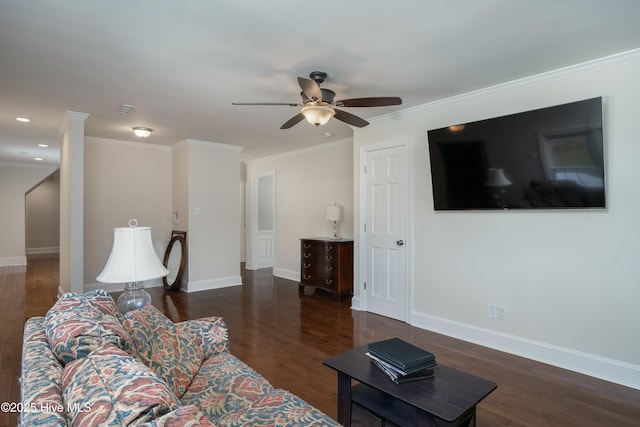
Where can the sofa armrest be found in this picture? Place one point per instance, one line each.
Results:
(41, 379)
(210, 333)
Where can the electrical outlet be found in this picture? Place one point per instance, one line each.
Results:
(501, 313)
(491, 311)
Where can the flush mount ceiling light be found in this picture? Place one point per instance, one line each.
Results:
(142, 132)
(23, 119)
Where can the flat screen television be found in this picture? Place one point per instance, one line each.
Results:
(550, 158)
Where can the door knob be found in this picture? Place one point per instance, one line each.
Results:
(399, 242)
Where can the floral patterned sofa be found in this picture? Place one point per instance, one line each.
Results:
(83, 364)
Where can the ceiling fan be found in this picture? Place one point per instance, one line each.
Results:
(318, 104)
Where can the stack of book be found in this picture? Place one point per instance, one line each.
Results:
(402, 361)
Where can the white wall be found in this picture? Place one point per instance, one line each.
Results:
(124, 180)
(15, 181)
(213, 172)
(43, 217)
(569, 279)
(307, 181)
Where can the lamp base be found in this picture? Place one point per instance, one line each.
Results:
(133, 297)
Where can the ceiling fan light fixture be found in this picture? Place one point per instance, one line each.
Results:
(317, 114)
(142, 132)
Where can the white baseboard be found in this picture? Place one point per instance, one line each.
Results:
(257, 265)
(604, 368)
(286, 274)
(193, 286)
(38, 251)
(205, 285)
(12, 261)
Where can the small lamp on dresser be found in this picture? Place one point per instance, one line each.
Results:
(334, 213)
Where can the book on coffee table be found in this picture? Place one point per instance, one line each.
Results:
(399, 376)
(402, 355)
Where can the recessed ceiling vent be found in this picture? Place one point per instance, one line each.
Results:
(125, 109)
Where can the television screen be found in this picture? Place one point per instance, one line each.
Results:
(551, 158)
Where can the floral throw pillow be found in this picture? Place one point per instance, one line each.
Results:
(78, 324)
(110, 388)
(173, 355)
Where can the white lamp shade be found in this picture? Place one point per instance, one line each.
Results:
(334, 213)
(317, 114)
(132, 258)
(497, 178)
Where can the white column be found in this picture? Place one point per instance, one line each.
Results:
(72, 203)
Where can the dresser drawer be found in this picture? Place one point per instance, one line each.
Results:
(323, 281)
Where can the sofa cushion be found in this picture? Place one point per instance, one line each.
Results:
(174, 356)
(110, 388)
(184, 416)
(78, 324)
(209, 333)
(225, 384)
(278, 408)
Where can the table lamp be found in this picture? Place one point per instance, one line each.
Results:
(334, 213)
(132, 260)
(498, 181)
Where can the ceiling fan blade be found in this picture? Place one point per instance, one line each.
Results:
(381, 101)
(350, 119)
(311, 89)
(266, 103)
(292, 121)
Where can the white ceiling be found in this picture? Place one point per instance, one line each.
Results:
(184, 62)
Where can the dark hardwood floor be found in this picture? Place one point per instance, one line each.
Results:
(285, 335)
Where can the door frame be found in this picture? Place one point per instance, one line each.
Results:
(359, 301)
(252, 235)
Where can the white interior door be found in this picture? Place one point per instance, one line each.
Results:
(263, 225)
(386, 230)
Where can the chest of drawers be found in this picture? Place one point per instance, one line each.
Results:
(327, 264)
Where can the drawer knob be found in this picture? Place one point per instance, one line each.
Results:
(329, 257)
(328, 281)
(307, 255)
(307, 245)
(307, 265)
(307, 277)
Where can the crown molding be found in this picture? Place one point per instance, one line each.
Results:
(128, 144)
(68, 118)
(596, 65)
(299, 151)
(207, 144)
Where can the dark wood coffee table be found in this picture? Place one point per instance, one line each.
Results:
(450, 398)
